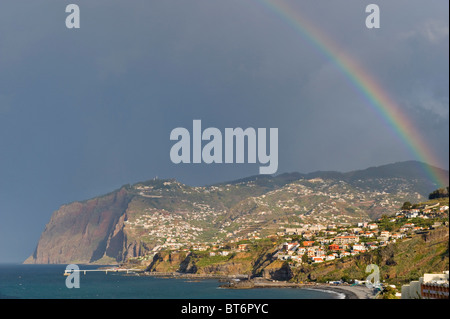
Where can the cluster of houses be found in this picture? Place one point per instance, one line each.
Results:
(338, 242)
(169, 230)
(319, 242)
(323, 249)
(313, 243)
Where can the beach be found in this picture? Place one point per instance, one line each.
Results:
(350, 292)
(346, 291)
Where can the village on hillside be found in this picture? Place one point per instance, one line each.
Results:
(307, 243)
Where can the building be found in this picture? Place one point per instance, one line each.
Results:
(333, 247)
(317, 259)
(364, 224)
(368, 234)
(359, 247)
(242, 247)
(317, 228)
(385, 233)
(435, 286)
(308, 235)
(412, 214)
(311, 252)
(293, 231)
(397, 236)
(289, 246)
(430, 286)
(434, 290)
(344, 254)
(320, 253)
(345, 240)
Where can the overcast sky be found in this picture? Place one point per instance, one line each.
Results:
(85, 111)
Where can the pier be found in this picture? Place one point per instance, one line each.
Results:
(84, 271)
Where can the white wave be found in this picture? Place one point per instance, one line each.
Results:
(340, 294)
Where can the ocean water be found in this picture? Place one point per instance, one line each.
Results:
(48, 282)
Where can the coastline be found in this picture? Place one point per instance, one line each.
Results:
(242, 282)
(344, 291)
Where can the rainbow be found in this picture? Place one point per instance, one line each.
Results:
(378, 99)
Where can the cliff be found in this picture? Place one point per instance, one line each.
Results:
(84, 232)
(249, 263)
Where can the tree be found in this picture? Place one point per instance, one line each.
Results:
(345, 278)
(407, 206)
(388, 293)
(305, 258)
(439, 193)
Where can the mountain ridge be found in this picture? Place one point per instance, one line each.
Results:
(137, 219)
(404, 166)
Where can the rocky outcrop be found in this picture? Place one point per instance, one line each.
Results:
(85, 232)
(440, 233)
(187, 265)
(278, 271)
(228, 269)
(192, 264)
(170, 262)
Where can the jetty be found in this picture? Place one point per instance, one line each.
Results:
(67, 272)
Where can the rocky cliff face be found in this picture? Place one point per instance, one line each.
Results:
(85, 232)
(278, 271)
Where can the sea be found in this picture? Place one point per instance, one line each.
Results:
(18, 281)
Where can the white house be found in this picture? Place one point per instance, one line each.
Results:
(359, 247)
(317, 259)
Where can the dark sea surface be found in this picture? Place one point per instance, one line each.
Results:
(48, 282)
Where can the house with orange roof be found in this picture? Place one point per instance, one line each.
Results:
(308, 243)
(317, 259)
